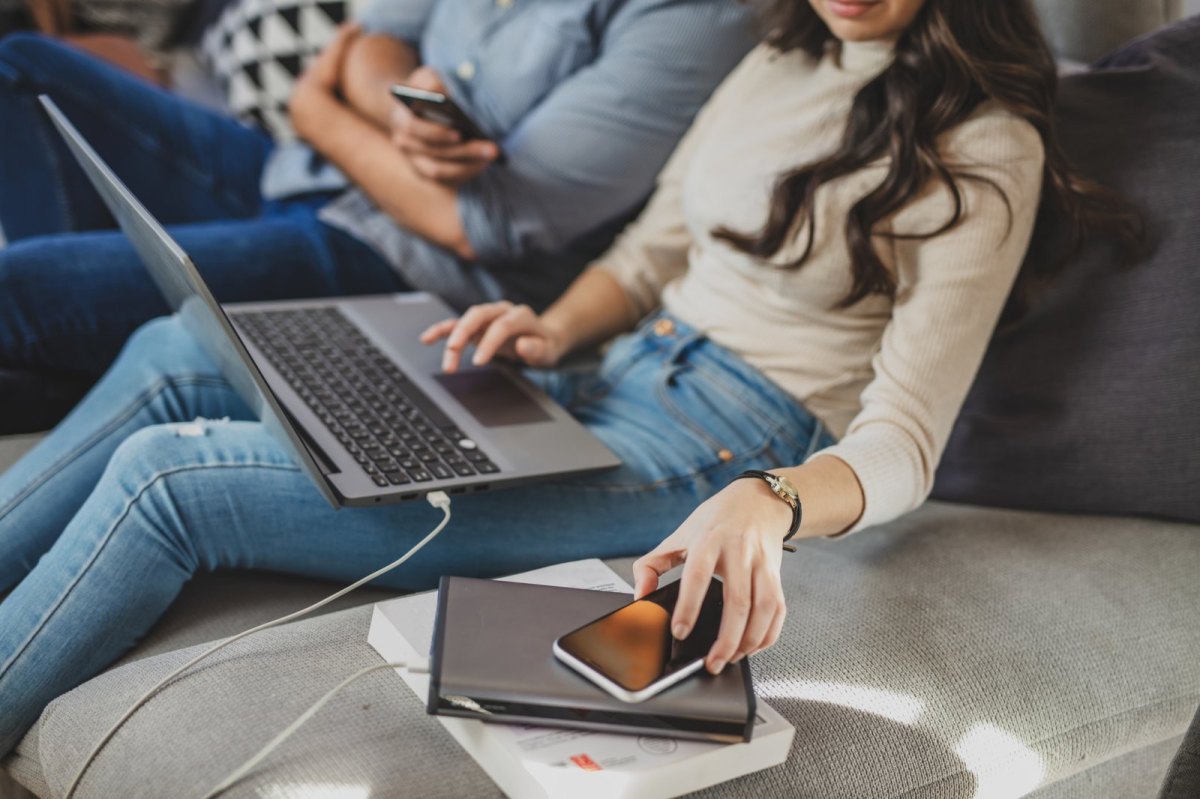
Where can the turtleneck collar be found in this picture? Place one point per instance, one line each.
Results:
(867, 57)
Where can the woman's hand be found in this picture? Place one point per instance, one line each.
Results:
(498, 328)
(435, 151)
(737, 534)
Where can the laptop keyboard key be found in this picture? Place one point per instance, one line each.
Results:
(386, 423)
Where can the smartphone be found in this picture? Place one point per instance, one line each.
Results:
(631, 653)
(437, 107)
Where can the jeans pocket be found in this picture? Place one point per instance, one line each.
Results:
(724, 428)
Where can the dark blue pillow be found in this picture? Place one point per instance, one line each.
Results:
(1091, 403)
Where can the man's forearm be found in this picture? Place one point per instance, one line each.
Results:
(374, 62)
(368, 159)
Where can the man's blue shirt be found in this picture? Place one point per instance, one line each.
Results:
(587, 99)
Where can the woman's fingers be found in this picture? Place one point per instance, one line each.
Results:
(766, 599)
(693, 587)
(775, 630)
(438, 330)
(469, 327)
(738, 603)
(648, 568)
(504, 328)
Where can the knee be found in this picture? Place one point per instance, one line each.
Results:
(158, 337)
(138, 479)
(23, 53)
(162, 349)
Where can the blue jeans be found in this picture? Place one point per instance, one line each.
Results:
(72, 289)
(103, 523)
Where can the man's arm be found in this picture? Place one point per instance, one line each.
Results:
(365, 155)
(589, 152)
(386, 53)
(373, 63)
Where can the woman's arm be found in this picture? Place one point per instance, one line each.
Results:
(951, 290)
(595, 308)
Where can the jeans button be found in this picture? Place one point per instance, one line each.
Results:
(725, 455)
(664, 327)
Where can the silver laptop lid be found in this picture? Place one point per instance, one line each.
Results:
(187, 294)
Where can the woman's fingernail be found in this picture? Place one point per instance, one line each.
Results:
(717, 666)
(680, 631)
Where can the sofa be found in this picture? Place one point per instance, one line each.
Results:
(960, 651)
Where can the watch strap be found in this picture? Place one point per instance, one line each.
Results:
(797, 509)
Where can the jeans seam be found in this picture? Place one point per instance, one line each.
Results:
(107, 537)
(138, 404)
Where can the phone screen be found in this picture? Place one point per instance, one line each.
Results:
(438, 108)
(633, 646)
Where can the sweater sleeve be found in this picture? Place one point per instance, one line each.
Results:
(951, 290)
(653, 249)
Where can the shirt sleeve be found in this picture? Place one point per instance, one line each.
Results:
(588, 153)
(401, 19)
(654, 249)
(950, 293)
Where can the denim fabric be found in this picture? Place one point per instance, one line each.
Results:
(71, 288)
(109, 516)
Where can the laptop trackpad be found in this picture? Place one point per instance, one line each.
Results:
(492, 398)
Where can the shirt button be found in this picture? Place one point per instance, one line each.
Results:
(466, 70)
(664, 327)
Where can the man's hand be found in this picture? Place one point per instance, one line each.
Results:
(435, 151)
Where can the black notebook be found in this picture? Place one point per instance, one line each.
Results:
(493, 660)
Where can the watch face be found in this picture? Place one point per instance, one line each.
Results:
(785, 490)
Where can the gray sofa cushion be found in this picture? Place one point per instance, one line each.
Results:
(1089, 403)
(1083, 30)
(952, 649)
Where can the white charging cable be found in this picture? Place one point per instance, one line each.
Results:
(277, 741)
(438, 499)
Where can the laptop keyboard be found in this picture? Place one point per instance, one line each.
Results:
(397, 435)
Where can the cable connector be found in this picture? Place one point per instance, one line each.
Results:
(439, 500)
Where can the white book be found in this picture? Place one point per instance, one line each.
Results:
(549, 763)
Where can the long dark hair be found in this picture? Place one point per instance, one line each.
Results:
(950, 59)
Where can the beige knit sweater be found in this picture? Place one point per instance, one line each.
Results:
(887, 377)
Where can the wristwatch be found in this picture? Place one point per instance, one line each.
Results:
(783, 489)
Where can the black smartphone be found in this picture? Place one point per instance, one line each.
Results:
(631, 653)
(437, 107)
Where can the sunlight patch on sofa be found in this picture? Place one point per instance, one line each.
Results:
(901, 708)
(1004, 767)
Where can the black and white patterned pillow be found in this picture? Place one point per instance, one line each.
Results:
(257, 48)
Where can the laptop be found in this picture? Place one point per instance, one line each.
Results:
(346, 387)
